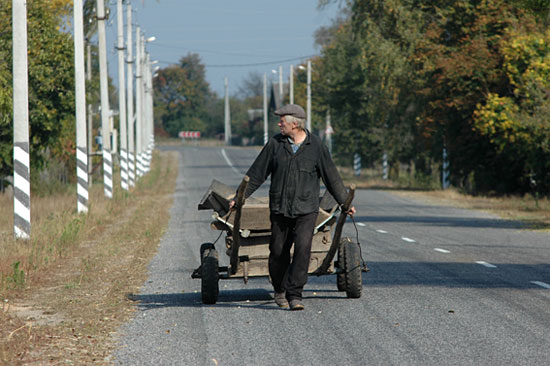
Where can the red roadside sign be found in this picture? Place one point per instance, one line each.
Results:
(190, 134)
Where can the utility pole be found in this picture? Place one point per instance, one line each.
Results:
(105, 109)
(90, 117)
(80, 102)
(130, 95)
(21, 159)
(227, 115)
(291, 82)
(139, 116)
(308, 122)
(146, 121)
(329, 131)
(122, 99)
(151, 109)
(265, 109)
(281, 84)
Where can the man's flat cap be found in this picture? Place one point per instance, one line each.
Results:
(291, 110)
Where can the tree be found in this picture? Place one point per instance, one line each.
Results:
(181, 96)
(51, 84)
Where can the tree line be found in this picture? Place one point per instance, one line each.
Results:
(411, 77)
(406, 78)
(51, 85)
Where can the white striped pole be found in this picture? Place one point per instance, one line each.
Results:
(130, 96)
(80, 93)
(445, 173)
(151, 114)
(139, 87)
(21, 160)
(105, 109)
(357, 164)
(146, 112)
(122, 99)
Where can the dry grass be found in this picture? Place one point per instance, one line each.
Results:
(535, 215)
(78, 269)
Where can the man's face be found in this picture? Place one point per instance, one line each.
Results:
(285, 126)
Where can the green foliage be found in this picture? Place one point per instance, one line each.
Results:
(181, 96)
(51, 84)
(408, 77)
(16, 280)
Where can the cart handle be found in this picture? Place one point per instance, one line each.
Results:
(237, 224)
(337, 233)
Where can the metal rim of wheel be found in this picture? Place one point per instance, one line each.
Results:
(209, 274)
(352, 267)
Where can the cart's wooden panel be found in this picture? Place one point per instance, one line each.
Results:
(257, 250)
(258, 267)
(255, 216)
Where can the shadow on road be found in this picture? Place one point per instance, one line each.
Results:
(455, 275)
(252, 298)
(446, 221)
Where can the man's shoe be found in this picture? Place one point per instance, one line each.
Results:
(296, 305)
(281, 300)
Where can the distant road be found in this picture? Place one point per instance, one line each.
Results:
(447, 286)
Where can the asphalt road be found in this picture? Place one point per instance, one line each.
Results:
(446, 286)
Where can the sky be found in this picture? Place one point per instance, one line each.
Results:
(261, 34)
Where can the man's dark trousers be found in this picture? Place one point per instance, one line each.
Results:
(286, 275)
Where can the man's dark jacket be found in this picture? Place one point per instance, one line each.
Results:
(295, 177)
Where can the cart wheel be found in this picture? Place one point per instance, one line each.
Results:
(205, 246)
(209, 274)
(352, 266)
(341, 277)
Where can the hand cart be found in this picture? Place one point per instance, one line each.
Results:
(247, 228)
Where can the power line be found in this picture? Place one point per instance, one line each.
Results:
(263, 63)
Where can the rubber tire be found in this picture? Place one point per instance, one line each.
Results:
(205, 246)
(341, 277)
(352, 266)
(210, 275)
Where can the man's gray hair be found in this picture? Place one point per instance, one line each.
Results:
(300, 122)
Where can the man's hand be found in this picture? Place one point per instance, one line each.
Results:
(232, 204)
(351, 211)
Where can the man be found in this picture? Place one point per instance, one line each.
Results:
(295, 159)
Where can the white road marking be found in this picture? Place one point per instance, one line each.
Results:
(361, 224)
(541, 284)
(488, 265)
(409, 240)
(382, 231)
(442, 250)
(230, 163)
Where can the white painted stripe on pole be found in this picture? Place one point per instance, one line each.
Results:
(361, 224)
(442, 250)
(21, 155)
(82, 191)
(541, 284)
(82, 174)
(81, 208)
(409, 240)
(229, 162)
(488, 265)
(20, 233)
(81, 155)
(382, 231)
(21, 183)
(20, 209)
